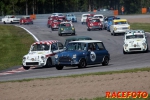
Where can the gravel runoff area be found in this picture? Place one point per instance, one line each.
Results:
(78, 87)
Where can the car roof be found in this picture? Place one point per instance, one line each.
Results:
(85, 41)
(85, 14)
(118, 20)
(65, 22)
(48, 42)
(78, 37)
(98, 15)
(133, 32)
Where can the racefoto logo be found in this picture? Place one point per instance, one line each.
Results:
(128, 94)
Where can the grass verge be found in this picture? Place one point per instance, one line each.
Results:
(142, 26)
(15, 42)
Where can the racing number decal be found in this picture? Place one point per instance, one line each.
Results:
(92, 56)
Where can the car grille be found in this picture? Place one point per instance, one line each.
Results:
(125, 28)
(65, 59)
(32, 63)
(132, 49)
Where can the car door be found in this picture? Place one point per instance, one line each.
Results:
(60, 46)
(101, 51)
(91, 54)
(55, 50)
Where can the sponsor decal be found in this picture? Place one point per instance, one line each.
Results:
(92, 56)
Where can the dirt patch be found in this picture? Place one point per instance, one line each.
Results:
(79, 87)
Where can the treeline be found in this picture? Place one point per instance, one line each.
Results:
(27, 7)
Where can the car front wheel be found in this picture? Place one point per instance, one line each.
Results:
(58, 67)
(26, 67)
(48, 63)
(82, 63)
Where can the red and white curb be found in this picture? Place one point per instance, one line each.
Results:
(21, 69)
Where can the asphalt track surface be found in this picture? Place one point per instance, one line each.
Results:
(114, 44)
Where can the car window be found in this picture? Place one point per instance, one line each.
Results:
(76, 46)
(60, 45)
(100, 46)
(40, 47)
(54, 47)
(134, 36)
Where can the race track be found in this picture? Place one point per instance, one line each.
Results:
(114, 45)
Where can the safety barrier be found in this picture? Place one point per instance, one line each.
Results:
(115, 12)
(144, 10)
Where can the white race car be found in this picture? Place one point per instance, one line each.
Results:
(42, 54)
(119, 26)
(135, 40)
(83, 18)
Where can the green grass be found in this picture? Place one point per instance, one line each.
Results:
(142, 26)
(14, 43)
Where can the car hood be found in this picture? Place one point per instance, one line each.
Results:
(71, 53)
(135, 41)
(38, 54)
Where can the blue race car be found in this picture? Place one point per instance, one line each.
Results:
(82, 53)
(71, 17)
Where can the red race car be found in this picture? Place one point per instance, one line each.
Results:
(89, 17)
(26, 20)
(50, 20)
(94, 23)
(55, 24)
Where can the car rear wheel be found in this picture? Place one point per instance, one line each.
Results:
(105, 61)
(82, 63)
(26, 67)
(58, 67)
(4, 22)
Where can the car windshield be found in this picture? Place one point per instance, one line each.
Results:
(60, 15)
(98, 16)
(121, 22)
(66, 24)
(95, 20)
(85, 15)
(27, 17)
(134, 36)
(40, 47)
(76, 46)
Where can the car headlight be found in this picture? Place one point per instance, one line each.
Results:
(56, 56)
(115, 28)
(74, 56)
(72, 28)
(42, 57)
(91, 24)
(62, 29)
(126, 45)
(144, 44)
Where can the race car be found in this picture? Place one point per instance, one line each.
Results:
(55, 24)
(83, 18)
(82, 53)
(42, 53)
(71, 17)
(93, 24)
(135, 40)
(50, 19)
(10, 19)
(119, 26)
(26, 20)
(66, 28)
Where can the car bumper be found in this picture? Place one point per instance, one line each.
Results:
(69, 63)
(67, 31)
(121, 31)
(95, 27)
(135, 49)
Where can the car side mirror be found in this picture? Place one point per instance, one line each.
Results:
(64, 48)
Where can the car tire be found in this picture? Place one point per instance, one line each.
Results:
(48, 26)
(60, 34)
(26, 67)
(4, 22)
(58, 67)
(48, 63)
(124, 52)
(114, 34)
(52, 29)
(82, 63)
(88, 29)
(105, 61)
